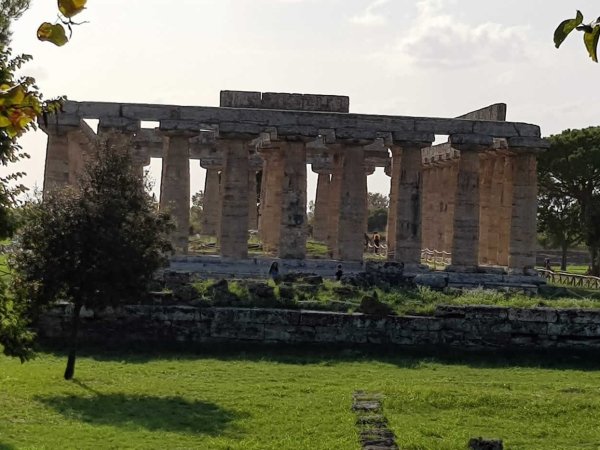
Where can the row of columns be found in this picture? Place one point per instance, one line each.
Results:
(480, 207)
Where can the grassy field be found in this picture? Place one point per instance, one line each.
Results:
(295, 401)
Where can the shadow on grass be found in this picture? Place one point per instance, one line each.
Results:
(405, 357)
(6, 446)
(169, 414)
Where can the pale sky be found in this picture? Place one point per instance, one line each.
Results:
(400, 57)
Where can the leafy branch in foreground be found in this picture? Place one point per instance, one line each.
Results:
(591, 33)
(55, 32)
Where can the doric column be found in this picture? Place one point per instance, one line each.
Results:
(270, 219)
(369, 170)
(496, 190)
(465, 245)
(485, 210)
(428, 215)
(524, 210)
(211, 208)
(293, 226)
(391, 222)
(233, 235)
(322, 205)
(408, 200)
(506, 201)
(255, 165)
(450, 173)
(335, 197)
(352, 200)
(175, 186)
(59, 167)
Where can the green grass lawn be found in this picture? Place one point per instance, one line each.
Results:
(267, 400)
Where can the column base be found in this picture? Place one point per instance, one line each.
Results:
(463, 269)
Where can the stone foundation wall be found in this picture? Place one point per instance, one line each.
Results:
(466, 327)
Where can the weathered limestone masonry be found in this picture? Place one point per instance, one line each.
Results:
(476, 327)
(473, 197)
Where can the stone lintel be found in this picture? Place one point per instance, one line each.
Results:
(118, 124)
(304, 123)
(471, 142)
(528, 144)
(212, 163)
(416, 139)
(59, 130)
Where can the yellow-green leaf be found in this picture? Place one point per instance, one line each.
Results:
(70, 8)
(52, 33)
(565, 28)
(591, 42)
(4, 121)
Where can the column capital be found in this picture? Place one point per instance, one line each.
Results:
(212, 163)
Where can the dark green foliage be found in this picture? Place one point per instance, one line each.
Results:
(377, 220)
(94, 246)
(569, 180)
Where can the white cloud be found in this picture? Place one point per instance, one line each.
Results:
(370, 17)
(441, 39)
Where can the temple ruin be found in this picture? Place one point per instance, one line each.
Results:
(473, 197)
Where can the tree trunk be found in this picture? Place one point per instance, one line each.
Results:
(595, 256)
(70, 370)
(563, 261)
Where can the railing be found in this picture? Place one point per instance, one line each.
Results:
(570, 279)
(436, 257)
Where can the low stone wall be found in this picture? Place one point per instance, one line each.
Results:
(465, 327)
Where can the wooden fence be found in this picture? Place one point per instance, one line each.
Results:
(570, 279)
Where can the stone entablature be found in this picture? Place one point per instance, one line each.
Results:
(470, 327)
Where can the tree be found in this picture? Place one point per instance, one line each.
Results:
(559, 221)
(569, 173)
(196, 212)
(375, 200)
(94, 246)
(377, 220)
(56, 32)
(591, 33)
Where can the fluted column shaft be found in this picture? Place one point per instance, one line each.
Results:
(352, 200)
(293, 226)
(233, 235)
(465, 246)
(322, 207)
(211, 210)
(175, 188)
(524, 211)
(408, 178)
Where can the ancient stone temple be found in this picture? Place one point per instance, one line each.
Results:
(473, 197)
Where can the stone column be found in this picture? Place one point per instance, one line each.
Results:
(175, 187)
(505, 212)
(391, 222)
(335, 197)
(465, 245)
(211, 210)
(450, 183)
(408, 200)
(233, 234)
(369, 170)
(428, 215)
(57, 169)
(270, 219)
(322, 205)
(351, 204)
(252, 205)
(493, 241)
(485, 211)
(293, 226)
(523, 230)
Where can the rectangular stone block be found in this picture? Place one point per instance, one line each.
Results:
(530, 328)
(547, 315)
(267, 316)
(326, 103)
(317, 318)
(240, 99)
(579, 316)
(281, 100)
(574, 329)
